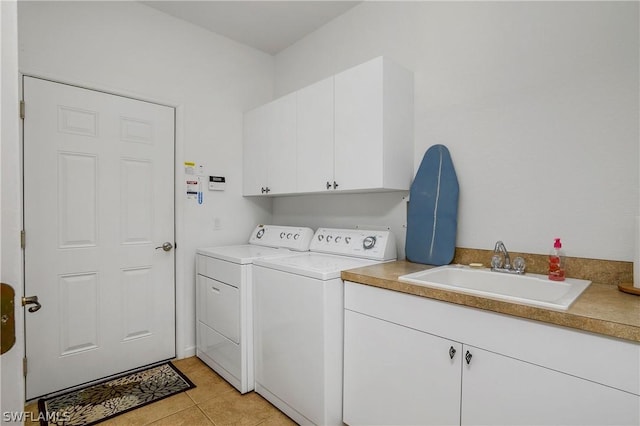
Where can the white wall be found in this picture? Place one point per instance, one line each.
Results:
(536, 101)
(129, 48)
(12, 390)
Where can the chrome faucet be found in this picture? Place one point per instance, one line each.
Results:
(498, 265)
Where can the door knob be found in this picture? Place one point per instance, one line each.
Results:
(166, 246)
(32, 300)
(468, 357)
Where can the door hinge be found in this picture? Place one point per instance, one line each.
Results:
(23, 239)
(22, 110)
(24, 366)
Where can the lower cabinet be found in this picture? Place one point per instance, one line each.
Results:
(394, 375)
(424, 371)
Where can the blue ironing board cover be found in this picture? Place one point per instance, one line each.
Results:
(432, 217)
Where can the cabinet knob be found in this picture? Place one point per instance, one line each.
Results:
(328, 185)
(452, 352)
(335, 185)
(268, 189)
(263, 190)
(468, 357)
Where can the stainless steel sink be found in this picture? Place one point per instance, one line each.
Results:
(529, 289)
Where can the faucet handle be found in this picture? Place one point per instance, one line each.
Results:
(496, 261)
(519, 264)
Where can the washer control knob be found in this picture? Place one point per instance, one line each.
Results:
(320, 237)
(329, 237)
(289, 235)
(337, 239)
(282, 234)
(347, 240)
(296, 236)
(260, 233)
(369, 242)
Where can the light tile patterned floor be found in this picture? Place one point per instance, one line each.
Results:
(212, 402)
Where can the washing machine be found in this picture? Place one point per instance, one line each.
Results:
(224, 313)
(298, 321)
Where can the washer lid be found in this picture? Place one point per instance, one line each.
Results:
(243, 254)
(315, 265)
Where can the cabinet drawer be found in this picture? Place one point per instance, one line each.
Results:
(219, 307)
(218, 351)
(226, 272)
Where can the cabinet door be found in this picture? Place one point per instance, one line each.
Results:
(270, 148)
(281, 136)
(359, 126)
(315, 136)
(499, 390)
(255, 150)
(398, 375)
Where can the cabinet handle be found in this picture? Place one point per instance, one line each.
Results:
(215, 289)
(268, 190)
(452, 352)
(468, 357)
(335, 185)
(263, 190)
(328, 185)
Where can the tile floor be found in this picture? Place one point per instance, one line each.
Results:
(212, 402)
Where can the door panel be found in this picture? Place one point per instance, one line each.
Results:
(314, 164)
(99, 197)
(498, 390)
(395, 375)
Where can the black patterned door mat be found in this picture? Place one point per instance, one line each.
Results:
(112, 397)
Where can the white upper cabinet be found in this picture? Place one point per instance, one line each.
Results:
(270, 148)
(374, 127)
(350, 132)
(255, 151)
(281, 152)
(314, 167)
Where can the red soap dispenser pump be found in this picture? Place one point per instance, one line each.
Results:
(556, 262)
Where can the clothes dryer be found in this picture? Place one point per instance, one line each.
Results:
(224, 313)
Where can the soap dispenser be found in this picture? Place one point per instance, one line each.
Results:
(556, 262)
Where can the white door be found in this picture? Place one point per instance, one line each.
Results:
(314, 165)
(359, 126)
(254, 153)
(98, 200)
(396, 375)
(499, 390)
(270, 148)
(281, 146)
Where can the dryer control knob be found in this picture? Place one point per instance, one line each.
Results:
(289, 235)
(369, 242)
(296, 236)
(282, 234)
(260, 234)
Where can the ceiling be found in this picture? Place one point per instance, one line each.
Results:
(270, 26)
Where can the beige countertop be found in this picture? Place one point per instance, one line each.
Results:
(601, 309)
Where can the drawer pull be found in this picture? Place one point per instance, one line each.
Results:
(215, 289)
